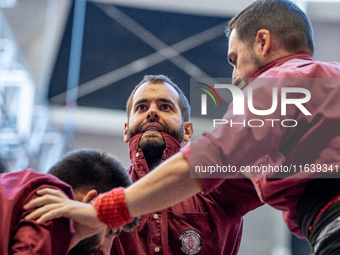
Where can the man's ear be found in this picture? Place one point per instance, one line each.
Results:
(126, 140)
(188, 131)
(89, 196)
(262, 42)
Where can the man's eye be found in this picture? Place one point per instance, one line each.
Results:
(165, 107)
(141, 108)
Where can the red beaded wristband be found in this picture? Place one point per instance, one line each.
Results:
(112, 209)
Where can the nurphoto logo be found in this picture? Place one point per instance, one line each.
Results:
(204, 97)
(244, 103)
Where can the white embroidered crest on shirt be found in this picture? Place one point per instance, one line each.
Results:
(190, 242)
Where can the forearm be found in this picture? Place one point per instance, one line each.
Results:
(166, 185)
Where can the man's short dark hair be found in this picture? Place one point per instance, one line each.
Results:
(284, 20)
(154, 79)
(88, 169)
(91, 169)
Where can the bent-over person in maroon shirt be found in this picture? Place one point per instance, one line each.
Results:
(88, 173)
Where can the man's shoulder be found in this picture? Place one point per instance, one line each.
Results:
(304, 68)
(19, 234)
(29, 179)
(24, 177)
(305, 63)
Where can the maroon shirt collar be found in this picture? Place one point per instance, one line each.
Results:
(278, 62)
(172, 146)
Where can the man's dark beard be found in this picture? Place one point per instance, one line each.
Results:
(153, 146)
(255, 60)
(153, 150)
(87, 246)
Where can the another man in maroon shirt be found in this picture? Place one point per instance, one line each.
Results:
(89, 172)
(158, 122)
(20, 236)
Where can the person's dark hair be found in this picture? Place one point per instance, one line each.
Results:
(88, 169)
(282, 18)
(154, 79)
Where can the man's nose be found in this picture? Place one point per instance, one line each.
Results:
(152, 113)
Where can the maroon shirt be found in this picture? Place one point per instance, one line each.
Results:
(20, 236)
(203, 224)
(315, 139)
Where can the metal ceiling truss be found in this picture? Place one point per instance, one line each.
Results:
(27, 138)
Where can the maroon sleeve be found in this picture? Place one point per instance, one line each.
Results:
(52, 237)
(238, 196)
(186, 152)
(208, 183)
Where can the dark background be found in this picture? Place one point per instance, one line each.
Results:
(107, 45)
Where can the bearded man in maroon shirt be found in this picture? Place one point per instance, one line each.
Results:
(158, 123)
